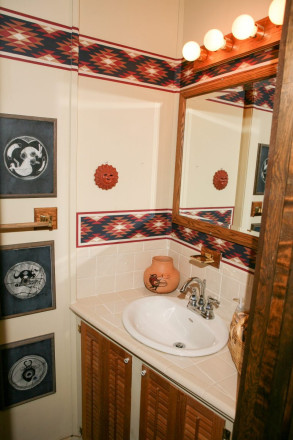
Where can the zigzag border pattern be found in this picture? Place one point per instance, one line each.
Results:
(105, 228)
(29, 39)
(260, 96)
(217, 216)
(190, 77)
(236, 254)
(102, 228)
(108, 61)
(35, 40)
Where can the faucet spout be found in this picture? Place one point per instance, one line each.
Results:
(197, 280)
(199, 304)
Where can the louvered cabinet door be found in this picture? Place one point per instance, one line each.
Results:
(197, 422)
(157, 407)
(167, 413)
(106, 388)
(117, 403)
(92, 383)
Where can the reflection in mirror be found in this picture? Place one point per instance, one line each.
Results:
(226, 139)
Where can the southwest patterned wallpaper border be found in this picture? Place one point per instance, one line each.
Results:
(109, 61)
(35, 40)
(99, 228)
(106, 228)
(217, 216)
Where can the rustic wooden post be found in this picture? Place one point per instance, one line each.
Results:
(265, 402)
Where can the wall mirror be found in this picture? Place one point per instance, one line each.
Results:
(222, 152)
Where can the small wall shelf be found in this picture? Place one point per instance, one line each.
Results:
(45, 218)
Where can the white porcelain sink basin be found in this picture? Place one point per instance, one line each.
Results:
(167, 325)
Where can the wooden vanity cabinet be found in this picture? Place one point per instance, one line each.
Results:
(106, 387)
(166, 412)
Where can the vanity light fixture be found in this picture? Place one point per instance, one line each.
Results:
(245, 27)
(192, 51)
(276, 12)
(215, 40)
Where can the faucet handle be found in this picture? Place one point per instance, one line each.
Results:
(212, 302)
(193, 297)
(208, 312)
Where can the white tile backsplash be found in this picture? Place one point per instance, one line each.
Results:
(105, 284)
(184, 265)
(142, 260)
(102, 250)
(138, 279)
(86, 265)
(105, 265)
(113, 268)
(124, 281)
(230, 288)
(214, 279)
(128, 248)
(155, 244)
(125, 263)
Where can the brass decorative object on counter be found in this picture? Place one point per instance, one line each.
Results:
(237, 335)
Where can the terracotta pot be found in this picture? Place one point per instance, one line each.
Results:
(161, 276)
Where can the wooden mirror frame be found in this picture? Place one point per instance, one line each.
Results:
(234, 79)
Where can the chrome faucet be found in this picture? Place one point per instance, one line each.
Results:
(196, 280)
(198, 303)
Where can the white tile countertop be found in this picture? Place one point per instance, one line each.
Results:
(213, 378)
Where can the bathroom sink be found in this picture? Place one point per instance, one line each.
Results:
(167, 325)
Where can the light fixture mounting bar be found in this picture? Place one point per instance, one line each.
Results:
(271, 36)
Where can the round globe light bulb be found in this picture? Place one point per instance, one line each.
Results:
(191, 51)
(276, 11)
(214, 40)
(244, 27)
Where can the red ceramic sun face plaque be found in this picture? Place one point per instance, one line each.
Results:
(220, 179)
(106, 176)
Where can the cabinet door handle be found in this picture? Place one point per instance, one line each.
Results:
(143, 373)
(126, 360)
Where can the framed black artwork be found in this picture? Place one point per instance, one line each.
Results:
(261, 169)
(27, 370)
(27, 279)
(28, 152)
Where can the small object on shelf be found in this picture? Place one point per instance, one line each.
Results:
(41, 214)
(208, 257)
(161, 276)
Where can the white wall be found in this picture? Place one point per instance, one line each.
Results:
(150, 25)
(132, 129)
(34, 90)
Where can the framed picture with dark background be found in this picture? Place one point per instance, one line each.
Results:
(255, 227)
(27, 370)
(27, 279)
(261, 169)
(28, 151)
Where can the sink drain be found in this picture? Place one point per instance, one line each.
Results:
(179, 345)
